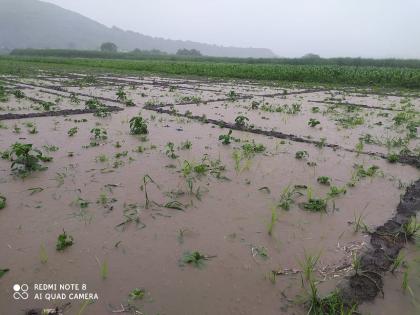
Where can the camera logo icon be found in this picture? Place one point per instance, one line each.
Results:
(20, 291)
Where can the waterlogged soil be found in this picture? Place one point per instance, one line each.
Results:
(89, 191)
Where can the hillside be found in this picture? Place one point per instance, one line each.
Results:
(37, 24)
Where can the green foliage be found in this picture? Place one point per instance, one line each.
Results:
(72, 131)
(138, 126)
(170, 150)
(137, 294)
(288, 197)
(324, 180)
(18, 94)
(300, 155)
(26, 159)
(64, 240)
(313, 122)
(99, 133)
(2, 202)
(227, 138)
(241, 121)
(3, 271)
(194, 258)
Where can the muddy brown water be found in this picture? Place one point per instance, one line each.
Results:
(229, 222)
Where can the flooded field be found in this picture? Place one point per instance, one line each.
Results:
(178, 196)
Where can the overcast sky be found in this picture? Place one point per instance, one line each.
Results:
(367, 28)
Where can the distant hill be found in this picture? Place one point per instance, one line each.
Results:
(37, 24)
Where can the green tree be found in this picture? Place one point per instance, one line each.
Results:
(109, 47)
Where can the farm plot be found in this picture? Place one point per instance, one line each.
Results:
(167, 214)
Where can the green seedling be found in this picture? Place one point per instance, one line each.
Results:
(336, 191)
(250, 149)
(186, 145)
(103, 268)
(324, 180)
(288, 197)
(3, 271)
(170, 150)
(137, 294)
(241, 121)
(233, 96)
(273, 221)
(2, 202)
(359, 224)
(73, 98)
(64, 240)
(300, 155)
(121, 95)
(227, 138)
(98, 134)
(26, 159)
(18, 94)
(194, 258)
(313, 122)
(72, 131)
(393, 158)
(397, 262)
(138, 126)
(410, 229)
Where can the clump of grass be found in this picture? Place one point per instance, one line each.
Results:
(314, 204)
(397, 262)
(64, 240)
(393, 158)
(359, 224)
(186, 145)
(336, 191)
(324, 180)
(137, 294)
(18, 94)
(138, 126)
(300, 155)
(2, 202)
(170, 150)
(250, 149)
(288, 196)
(313, 122)
(410, 229)
(72, 131)
(194, 258)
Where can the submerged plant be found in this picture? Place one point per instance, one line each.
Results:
(313, 122)
(26, 159)
(241, 121)
(227, 138)
(64, 240)
(273, 220)
(137, 294)
(2, 202)
(170, 150)
(138, 126)
(324, 180)
(194, 258)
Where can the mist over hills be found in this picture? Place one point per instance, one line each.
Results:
(37, 24)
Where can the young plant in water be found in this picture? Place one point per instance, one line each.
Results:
(314, 204)
(227, 138)
(121, 95)
(138, 126)
(194, 258)
(170, 150)
(64, 240)
(147, 179)
(2, 202)
(300, 155)
(313, 122)
(26, 159)
(324, 180)
(288, 196)
(273, 220)
(241, 121)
